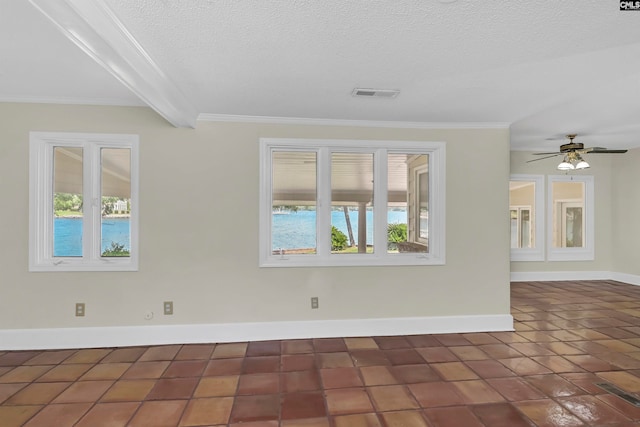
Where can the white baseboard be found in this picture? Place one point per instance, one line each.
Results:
(94, 337)
(543, 276)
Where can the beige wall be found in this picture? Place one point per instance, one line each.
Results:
(626, 206)
(601, 170)
(202, 251)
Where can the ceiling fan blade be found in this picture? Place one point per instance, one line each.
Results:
(545, 154)
(596, 150)
(542, 158)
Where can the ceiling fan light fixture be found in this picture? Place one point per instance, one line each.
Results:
(565, 166)
(582, 165)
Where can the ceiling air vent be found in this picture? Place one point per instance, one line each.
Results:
(375, 93)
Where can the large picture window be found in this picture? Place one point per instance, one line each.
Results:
(337, 202)
(83, 202)
(526, 216)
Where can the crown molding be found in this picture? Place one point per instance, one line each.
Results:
(95, 29)
(70, 101)
(229, 118)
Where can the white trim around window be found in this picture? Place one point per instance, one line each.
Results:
(86, 150)
(587, 251)
(319, 153)
(535, 253)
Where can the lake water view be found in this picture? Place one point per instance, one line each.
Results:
(290, 230)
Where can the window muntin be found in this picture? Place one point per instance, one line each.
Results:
(571, 218)
(352, 174)
(526, 204)
(72, 180)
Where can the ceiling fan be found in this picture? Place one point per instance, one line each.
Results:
(572, 154)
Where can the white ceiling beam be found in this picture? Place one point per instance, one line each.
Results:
(93, 27)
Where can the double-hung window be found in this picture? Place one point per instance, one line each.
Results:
(351, 202)
(83, 207)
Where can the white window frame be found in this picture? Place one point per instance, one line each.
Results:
(380, 256)
(41, 148)
(536, 253)
(419, 171)
(587, 252)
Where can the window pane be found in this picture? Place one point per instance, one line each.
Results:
(67, 202)
(351, 203)
(293, 218)
(522, 196)
(115, 191)
(568, 214)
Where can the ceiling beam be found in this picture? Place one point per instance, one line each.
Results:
(93, 27)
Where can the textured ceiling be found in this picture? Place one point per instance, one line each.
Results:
(544, 68)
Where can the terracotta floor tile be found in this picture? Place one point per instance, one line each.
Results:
(389, 343)
(195, 352)
(500, 415)
(146, 370)
(590, 363)
(404, 419)
(329, 345)
(302, 405)
(515, 389)
(361, 344)
(38, 393)
(392, 398)
(208, 411)
(621, 379)
(90, 355)
(525, 366)
(627, 409)
(469, 352)
(85, 391)
(299, 381)
(109, 414)
(423, 341)
(229, 351)
(258, 384)
(585, 381)
(128, 391)
(453, 416)
(59, 415)
(217, 386)
(554, 385)
(342, 401)
(450, 340)
(435, 394)
(509, 337)
(369, 358)
(340, 378)
(557, 364)
(16, 416)
(500, 351)
(298, 362)
(268, 423)
(255, 408)
(161, 352)
(561, 348)
(124, 355)
(489, 369)
(620, 360)
(481, 338)
(437, 354)
(224, 367)
(306, 422)
(185, 368)
(476, 392)
(106, 371)
(164, 413)
(261, 364)
(358, 420)
(410, 374)
(592, 410)
(454, 371)
(53, 357)
(63, 373)
(404, 356)
(173, 389)
(263, 348)
(547, 413)
(531, 349)
(24, 374)
(15, 358)
(377, 375)
(297, 346)
(333, 360)
(10, 389)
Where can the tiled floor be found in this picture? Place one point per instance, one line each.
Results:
(570, 337)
